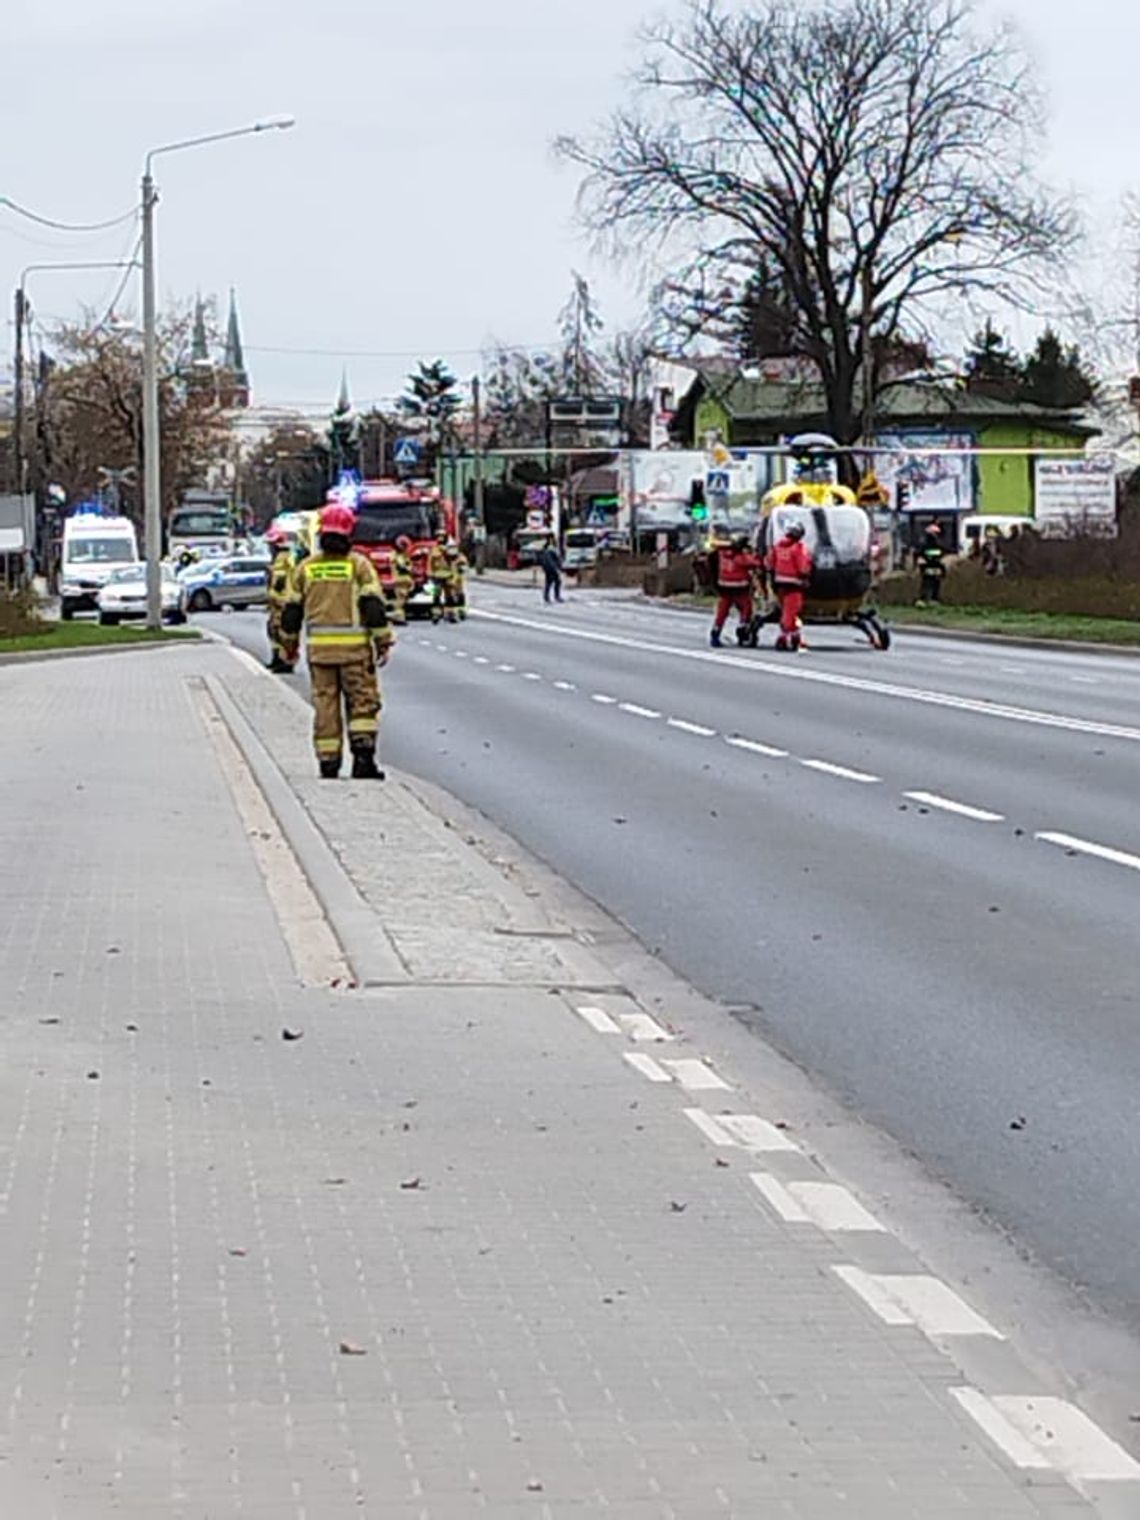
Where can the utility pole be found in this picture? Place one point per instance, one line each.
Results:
(480, 516)
(18, 377)
(152, 470)
(868, 424)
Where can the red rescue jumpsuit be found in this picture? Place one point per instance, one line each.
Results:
(789, 564)
(734, 571)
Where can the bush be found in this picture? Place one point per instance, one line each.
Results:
(1086, 592)
(20, 614)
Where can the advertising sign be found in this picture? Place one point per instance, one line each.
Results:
(1075, 495)
(935, 483)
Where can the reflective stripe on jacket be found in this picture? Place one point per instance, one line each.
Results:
(329, 591)
(790, 562)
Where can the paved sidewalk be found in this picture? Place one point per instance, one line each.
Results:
(447, 1254)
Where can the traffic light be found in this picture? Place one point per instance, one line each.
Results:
(698, 508)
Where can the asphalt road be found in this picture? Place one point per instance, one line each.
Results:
(958, 979)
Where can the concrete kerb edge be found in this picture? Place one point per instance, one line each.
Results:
(89, 651)
(363, 938)
(926, 630)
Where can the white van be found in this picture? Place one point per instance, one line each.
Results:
(973, 530)
(94, 547)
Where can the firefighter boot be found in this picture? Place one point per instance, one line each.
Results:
(280, 666)
(364, 767)
(330, 769)
(714, 638)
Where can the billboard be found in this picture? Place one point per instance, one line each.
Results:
(658, 485)
(1075, 495)
(936, 483)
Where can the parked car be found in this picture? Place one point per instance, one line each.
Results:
(124, 595)
(234, 582)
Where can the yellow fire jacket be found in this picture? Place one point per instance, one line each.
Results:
(341, 604)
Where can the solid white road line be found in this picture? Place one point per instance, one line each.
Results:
(1086, 847)
(647, 1066)
(755, 747)
(692, 728)
(695, 1076)
(916, 1299)
(1006, 1437)
(755, 1134)
(637, 712)
(1067, 1438)
(962, 809)
(800, 672)
(598, 1019)
(641, 1028)
(600, 696)
(826, 768)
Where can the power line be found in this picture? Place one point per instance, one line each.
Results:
(399, 353)
(122, 285)
(46, 221)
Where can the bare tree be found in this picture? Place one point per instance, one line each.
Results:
(584, 371)
(870, 156)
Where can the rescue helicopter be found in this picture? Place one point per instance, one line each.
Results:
(837, 530)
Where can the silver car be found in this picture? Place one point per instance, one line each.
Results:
(124, 596)
(236, 581)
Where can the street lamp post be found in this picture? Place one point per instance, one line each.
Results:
(152, 470)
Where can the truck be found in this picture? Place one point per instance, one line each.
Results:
(206, 522)
(388, 510)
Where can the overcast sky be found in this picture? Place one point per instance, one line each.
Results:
(415, 208)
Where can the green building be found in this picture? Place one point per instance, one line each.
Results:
(755, 413)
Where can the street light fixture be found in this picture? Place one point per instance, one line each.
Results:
(152, 475)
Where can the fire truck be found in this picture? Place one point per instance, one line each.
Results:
(388, 510)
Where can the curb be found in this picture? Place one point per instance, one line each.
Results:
(926, 630)
(362, 937)
(33, 656)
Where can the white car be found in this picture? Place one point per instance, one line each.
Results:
(124, 596)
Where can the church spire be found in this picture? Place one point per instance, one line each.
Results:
(233, 361)
(343, 400)
(199, 343)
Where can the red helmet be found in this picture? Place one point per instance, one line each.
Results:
(337, 518)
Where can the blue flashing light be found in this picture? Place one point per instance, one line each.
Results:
(348, 490)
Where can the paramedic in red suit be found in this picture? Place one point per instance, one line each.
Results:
(789, 566)
(735, 567)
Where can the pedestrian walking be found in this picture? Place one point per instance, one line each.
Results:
(550, 562)
(336, 597)
(789, 563)
(931, 558)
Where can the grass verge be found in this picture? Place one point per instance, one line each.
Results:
(1032, 625)
(87, 635)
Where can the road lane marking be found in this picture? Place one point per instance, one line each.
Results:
(641, 1028)
(961, 809)
(647, 1066)
(1066, 1438)
(565, 686)
(1086, 680)
(460, 654)
(754, 1133)
(916, 1299)
(637, 712)
(755, 747)
(709, 1127)
(832, 1207)
(507, 670)
(692, 728)
(1013, 670)
(600, 696)
(598, 1020)
(481, 659)
(799, 672)
(531, 675)
(826, 768)
(695, 1076)
(1087, 847)
(442, 648)
(777, 1195)
(1006, 1437)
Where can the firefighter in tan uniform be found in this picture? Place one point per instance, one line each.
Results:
(282, 649)
(405, 577)
(335, 596)
(444, 575)
(458, 588)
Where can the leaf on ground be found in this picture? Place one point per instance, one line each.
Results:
(335, 1181)
(292, 1034)
(92, 1076)
(238, 1251)
(677, 1208)
(49, 1021)
(350, 1348)
(131, 1028)
(1019, 1123)
(412, 1184)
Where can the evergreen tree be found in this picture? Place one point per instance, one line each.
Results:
(1054, 375)
(432, 397)
(992, 366)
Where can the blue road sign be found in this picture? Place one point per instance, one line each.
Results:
(407, 452)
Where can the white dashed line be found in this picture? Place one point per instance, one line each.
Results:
(531, 675)
(754, 747)
(598, 1019)
(507, 670)
(1013, 670)
(1087, 847)
(600, 696)
(916, 1299)
(426, 643)
(961, 809)
(442, 648)
(829, 1206)
(565, 686)
(826, 768)
(641, 1028)
(777, 1195)
(1059, 1434)
(637, 712)
(1006, 1437)
(460, 654)
(481, 659)
(1086, 680)
(754, 1133)
(709, 1127)
(692, 728)
(647, 1066)
(696, 1076)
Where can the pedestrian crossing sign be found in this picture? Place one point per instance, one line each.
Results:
(407, 454)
